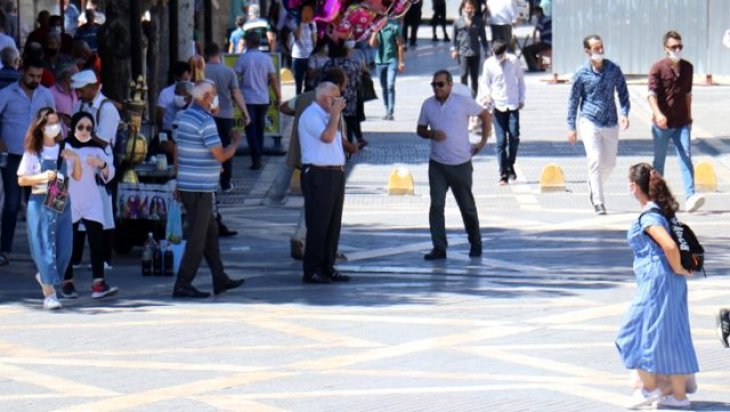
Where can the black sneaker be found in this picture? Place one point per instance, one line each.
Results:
(600, 209)
(504, 181)
(316, 278)
(512, 175)
(230, 284)
(68, 291)
(102, 289)
(435, 254)
(475, 250)
(723, 327)
(189, 292)
(337, 276)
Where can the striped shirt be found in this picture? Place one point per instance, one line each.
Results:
(593, 92)
(198, 170)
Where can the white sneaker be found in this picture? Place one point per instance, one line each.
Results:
(643, 398)
(107, 266)
(672, 402)
(51, 303)
(695, 202)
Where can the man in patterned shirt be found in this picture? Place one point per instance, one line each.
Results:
(594, 85)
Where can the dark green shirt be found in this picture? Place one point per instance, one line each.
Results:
(387, 45)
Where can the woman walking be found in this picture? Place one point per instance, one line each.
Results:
(97, 168)
(470, 38)
(655, 337)
(45, 163)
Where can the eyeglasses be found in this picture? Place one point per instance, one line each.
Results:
(81, 128)
(438, 84)
(676, 48)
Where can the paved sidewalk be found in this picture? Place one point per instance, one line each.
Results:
(529, 327)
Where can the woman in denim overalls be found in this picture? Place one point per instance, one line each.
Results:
(655, 338)
(49, 230)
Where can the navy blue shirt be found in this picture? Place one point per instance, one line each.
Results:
(593, 93)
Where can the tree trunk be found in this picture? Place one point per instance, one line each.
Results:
(115, 50)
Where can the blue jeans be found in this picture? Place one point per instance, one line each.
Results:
(387, 73)
(50, 239)
(11, 206)
(299, 66)
(507, 122)
(255, 130)
(683, 146)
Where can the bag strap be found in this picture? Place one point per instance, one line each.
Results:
(59, 160)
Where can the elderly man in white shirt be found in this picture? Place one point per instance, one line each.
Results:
(444, 119)
(323, 183)
(503, 89)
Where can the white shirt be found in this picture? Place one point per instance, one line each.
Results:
(502, 12)
(87, 200)
(106, 127)
(503, 83)
(30, 164)
(302, 48)
(166, 101)
(312, 123)
(452, 118)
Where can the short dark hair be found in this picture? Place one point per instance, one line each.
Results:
(444, 72)
(672, 34)
(32, 61)
(211, 50)
(499, 47)
(334, 75)
(240, 20)
(587, 40)
(55, 19)
(180, 68)
(252, 37)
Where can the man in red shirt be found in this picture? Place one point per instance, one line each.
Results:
(670, 98)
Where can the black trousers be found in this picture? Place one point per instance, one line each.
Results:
(503, 32)
(324, 196)
(224, 127)
(470, 70)
(354, 132)
(439, 17)
(97, 246)
(202, 239)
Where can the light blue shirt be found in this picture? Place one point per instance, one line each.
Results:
(17, 112)
(254, 68)
(197, 134)
(312, 123)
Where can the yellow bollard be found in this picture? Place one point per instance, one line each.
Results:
(705, 177)
(400, 181)
(295, 184)
(286, 75)
(552, 179)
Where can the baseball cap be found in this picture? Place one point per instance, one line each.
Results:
(83, 78)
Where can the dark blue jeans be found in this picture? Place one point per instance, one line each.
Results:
(299, 66)
(387, 73)
(255, 130)
(11, 206)
(458, 178)
(507, 130)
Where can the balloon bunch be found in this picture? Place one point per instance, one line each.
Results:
(350, 19)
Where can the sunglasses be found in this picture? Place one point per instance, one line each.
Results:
(81, 128)
(676, 48)
(438, 84)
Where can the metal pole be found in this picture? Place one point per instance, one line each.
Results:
(174, 36)
(135, 28)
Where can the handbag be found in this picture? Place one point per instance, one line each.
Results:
(367, 87)
(57, 192)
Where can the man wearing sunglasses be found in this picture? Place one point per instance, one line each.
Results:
(444, 119)
(670, 98)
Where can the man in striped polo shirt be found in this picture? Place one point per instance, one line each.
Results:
(198, 162)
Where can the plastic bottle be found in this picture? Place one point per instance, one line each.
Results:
(157, 261)
(168, 261)
(147, 254)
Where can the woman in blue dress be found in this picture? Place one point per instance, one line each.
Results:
(655, 337)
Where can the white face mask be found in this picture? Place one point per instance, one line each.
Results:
(350, 44)
(214, 104)
(52, 130)
(597, 57)
(180, 101)
(674, 56)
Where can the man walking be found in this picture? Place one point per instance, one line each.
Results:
(670, 98)
(444, 119)
(19, 103)
(323, 183)
(504, 91)
(594, 85)
(389, 60)
(257, 74)
(199, 157)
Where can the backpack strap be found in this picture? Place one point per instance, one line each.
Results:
(652, 210)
